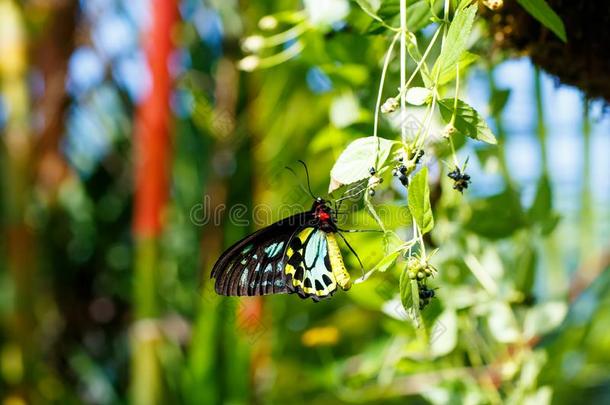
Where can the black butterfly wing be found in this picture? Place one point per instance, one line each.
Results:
(255, 264)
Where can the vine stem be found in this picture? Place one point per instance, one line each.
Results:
(384, 71)
(282, 56)
(421, 62)
(429, 115)
(424, 130)
(455, 103)
(403, 67)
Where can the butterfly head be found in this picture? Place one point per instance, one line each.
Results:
(324, 215)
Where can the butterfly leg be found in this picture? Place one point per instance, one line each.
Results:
(353, 251)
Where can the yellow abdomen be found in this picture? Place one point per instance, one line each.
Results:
(336, 261)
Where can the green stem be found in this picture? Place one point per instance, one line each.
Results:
(282, 37)
(403, 66)
(373, 212)
(540, 125)
(455, 103)
(384, 71)
(405, 87)
(281, 57)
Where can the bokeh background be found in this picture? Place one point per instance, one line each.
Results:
(125, 124)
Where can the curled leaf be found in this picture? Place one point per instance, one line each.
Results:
(468, 121)
(356, 160)
(419, 201)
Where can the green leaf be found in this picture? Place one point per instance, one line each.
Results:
(370, 7)
(543, 202)
(550, 224)
(356, 160)
(541, 212)
(416, 55)
(498, 216)
(457, 39)
(415, 309)
(468, 122)
(387, 12)
(448, 72)
(541, 11)
(419, 201)
(525, 265)
(405, 290)
(387, 261)
(499, 98)
(418, 15)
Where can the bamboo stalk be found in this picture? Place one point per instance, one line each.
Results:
(152, 160)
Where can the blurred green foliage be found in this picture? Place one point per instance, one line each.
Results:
(514, 319)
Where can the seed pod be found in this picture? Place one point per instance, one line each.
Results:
(448, 131)
(372, 192)
(390, 105)
(372, 171)
(493, 5)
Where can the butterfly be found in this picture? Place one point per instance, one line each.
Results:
(298, 254)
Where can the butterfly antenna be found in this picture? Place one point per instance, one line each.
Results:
(291, 170)
(308, 182)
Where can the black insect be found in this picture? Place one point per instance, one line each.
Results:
(425, 295)
(461, 180)
(425, 292)
(400, 171)
(299, 254)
